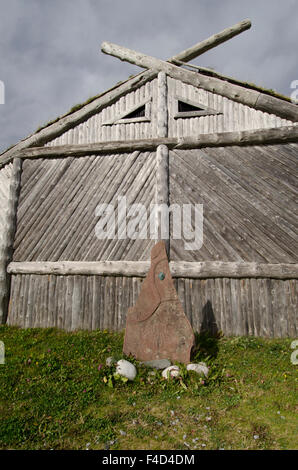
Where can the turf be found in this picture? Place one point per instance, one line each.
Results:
(57, 393)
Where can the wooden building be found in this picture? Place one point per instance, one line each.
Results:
(173, 134)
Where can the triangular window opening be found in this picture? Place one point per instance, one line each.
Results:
(185, 107)
(137, 113)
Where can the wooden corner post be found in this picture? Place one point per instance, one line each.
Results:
(6, 257)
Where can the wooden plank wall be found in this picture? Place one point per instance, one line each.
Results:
(93, 130)
(56, 214)
(235, 116)
(260, 307)
(249, 195)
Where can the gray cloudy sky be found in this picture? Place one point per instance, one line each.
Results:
(50, 49)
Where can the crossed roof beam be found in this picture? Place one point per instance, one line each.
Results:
(238, 93)
(193, 51)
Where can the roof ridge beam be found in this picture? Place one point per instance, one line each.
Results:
(252, 98)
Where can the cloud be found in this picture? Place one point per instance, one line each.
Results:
(51, 60)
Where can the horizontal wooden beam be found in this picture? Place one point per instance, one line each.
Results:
(215, 269)
(274, 135)
(252, 137)
(66, 268)
(179, 269)
(253, 98)
(211, 42)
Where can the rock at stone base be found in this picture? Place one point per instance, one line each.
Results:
(126, 369)
(200, 368)
(172, 371)
(157, 363)
(110, 361)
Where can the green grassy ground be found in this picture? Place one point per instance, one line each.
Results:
(57, 393)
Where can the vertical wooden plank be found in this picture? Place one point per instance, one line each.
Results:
(188, 305)
(268, 306)
(255, 306)
(243, 286)
(76, 321)
(283, 308)
(95, 304)
(68, 293)
(228, 307)
(181, 292)
(60, 301)
(218, 285)
(52, 293)
(262, 308)
(249, 311)
(162, 105)
(293, 303)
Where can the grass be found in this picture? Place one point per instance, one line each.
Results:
(57, 393)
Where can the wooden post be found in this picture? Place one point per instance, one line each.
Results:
(9, 238)
(162, 195)
(162, 106)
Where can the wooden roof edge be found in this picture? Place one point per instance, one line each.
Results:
(72, 119)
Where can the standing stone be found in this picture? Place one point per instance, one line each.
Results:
(157, 327)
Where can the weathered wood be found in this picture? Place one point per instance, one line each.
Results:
(215, 304)
(252, 137)
(211, 42)
(61, 210)
(183, 269)
(162, 216)
(237, 93)
(245, 215)
(71, 120)
(6, 257)
(162, 106)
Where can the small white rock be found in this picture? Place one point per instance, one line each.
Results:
(110, 361)
(200, 368)
(126, 369)
(172, 371)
